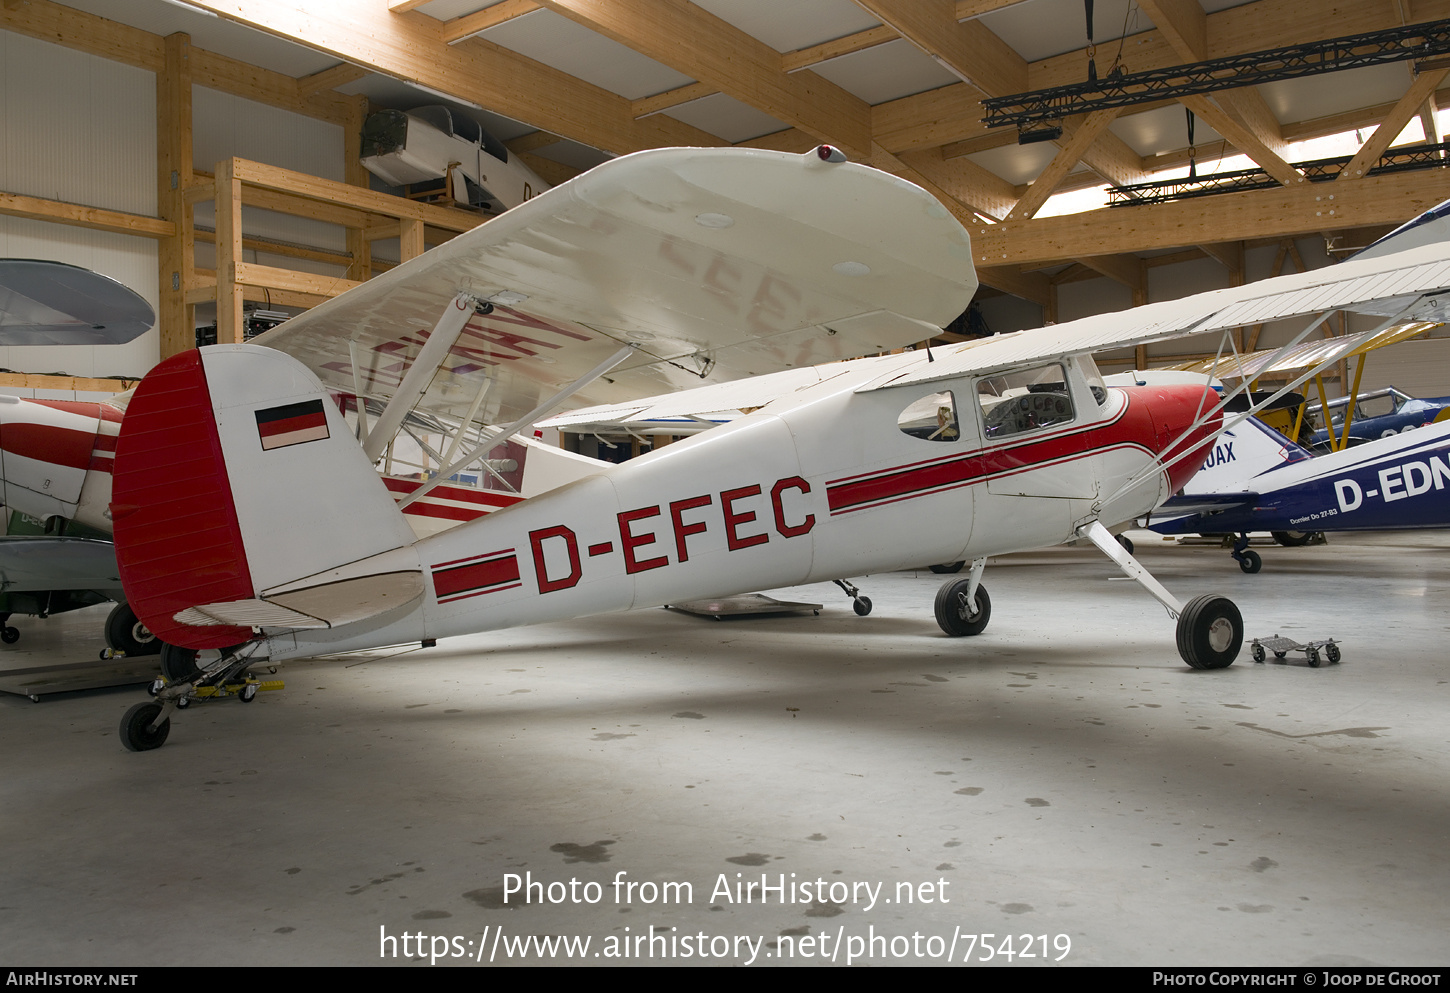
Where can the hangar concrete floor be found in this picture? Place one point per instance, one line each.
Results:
(1062, 774)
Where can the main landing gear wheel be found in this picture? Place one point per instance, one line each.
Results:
(178, 664)
(136, 731)
(125, 633)
(1294, 539)
(949, 568)
(1210, 632)
(957, 617)
(1250, 562)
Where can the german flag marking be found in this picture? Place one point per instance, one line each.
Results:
(292, 424)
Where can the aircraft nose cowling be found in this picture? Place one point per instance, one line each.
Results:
(1174, 409)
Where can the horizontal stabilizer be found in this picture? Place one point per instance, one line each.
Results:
(325, 605)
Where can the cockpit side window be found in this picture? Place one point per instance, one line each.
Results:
(932, 418)
(1025, 401)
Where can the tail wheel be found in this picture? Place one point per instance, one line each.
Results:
(136, 732)
(126, 633)
(955, 615)
(1210, 632)
(1250, 562)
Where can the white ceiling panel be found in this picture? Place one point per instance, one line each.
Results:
(1310, 97)
(212, 33)
(557, 41)
(787, 26)
(885, 72)
(727, 118)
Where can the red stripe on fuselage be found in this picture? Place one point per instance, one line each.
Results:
(46, 443)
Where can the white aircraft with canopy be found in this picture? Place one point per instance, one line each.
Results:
(250, 524)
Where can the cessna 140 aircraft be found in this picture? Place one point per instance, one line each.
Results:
(250, 525)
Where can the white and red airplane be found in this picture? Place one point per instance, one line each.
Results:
(250, 525)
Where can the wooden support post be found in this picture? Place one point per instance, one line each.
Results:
(410, 239)
(175, 254)
(229, 320)
(360, 268)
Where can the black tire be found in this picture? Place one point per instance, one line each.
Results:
(1313, 656)
(135, 728)
(1210, 632)
(948, 569)
(862, 606)
(1258, 653)
(247, 693)
(126, 633)
(9, 635)
(953, 614)
(1126, 542)
(1332, 651)
(180, 665)
(1250, 562)
(1294, 539)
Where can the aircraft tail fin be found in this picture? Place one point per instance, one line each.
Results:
(241, 500)
(1241, 456)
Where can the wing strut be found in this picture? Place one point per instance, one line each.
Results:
(450, 324)
(523, 423)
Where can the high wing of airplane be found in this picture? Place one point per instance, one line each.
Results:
(937, 455)
(55, 455)
(1255, 479)
(52, 303)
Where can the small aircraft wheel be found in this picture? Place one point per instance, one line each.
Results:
(1313, 656)
(1293, 539)
(950, 567)
(1258, 653)
(1250, 562)
(9, 635)
(862, 606)
(1126, 542)
(957, 617)
(136, 733)
(126, 633)
(1210, 632)
(1332, 651)
(248, 693)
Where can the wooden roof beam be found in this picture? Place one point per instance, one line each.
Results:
(329, 79)
(410, 47)
(1072, 150)
(1126, 269)
(645, 106)
(469, 25)
(970, 51)
(1276, 212)
(690, 39)
(804, 58)
(1243, 138)
(1422, 89)
(965, 181)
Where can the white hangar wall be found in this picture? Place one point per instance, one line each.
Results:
(81, 129)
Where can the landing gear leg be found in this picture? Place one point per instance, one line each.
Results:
(860, 604)
(1210, 628)
(1247, 558)
(186, 670)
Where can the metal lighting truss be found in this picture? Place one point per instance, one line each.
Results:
(1316, 171)
(1413, 41)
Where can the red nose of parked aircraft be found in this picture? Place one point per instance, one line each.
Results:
(1173, 412)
